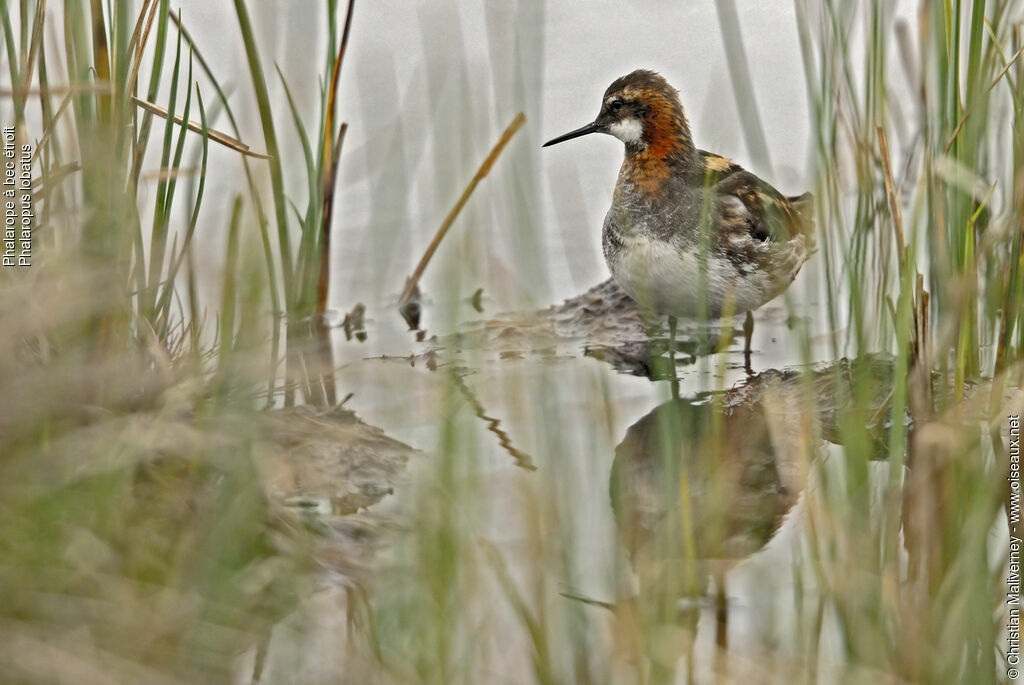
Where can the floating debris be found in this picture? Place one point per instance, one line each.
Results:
(355, 323)
(477, 300)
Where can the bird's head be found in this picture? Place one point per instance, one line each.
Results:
(643, 111)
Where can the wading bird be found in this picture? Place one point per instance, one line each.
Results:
(689, 233)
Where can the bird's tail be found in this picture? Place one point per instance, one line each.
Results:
(803, 206)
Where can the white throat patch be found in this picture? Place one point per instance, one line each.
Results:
(628, 130)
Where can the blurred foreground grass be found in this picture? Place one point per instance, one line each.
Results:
(137, 539)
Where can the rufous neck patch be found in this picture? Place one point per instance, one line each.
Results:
(666, 149)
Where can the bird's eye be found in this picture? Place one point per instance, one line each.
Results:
(616, 105)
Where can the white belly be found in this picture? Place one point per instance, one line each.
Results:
(668, 281)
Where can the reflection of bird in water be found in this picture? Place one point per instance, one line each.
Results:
(700, 484)
(697, 487)
(743, 454)
(681, 466)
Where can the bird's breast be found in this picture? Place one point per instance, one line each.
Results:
(667, 277)
(657, 274)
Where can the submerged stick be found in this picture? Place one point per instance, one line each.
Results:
(485, 168)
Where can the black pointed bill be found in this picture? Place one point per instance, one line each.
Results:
(589, 128)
